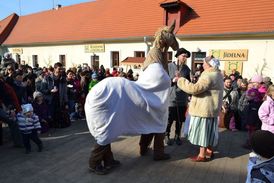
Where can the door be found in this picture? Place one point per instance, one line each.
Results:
(115, 58)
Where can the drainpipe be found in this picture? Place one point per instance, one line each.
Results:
(148, 43)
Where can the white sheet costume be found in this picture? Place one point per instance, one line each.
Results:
(117, 106)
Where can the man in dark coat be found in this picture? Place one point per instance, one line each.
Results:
(178, 98)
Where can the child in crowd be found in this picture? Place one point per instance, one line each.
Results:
(94, 81)
(261, 160)
(29, 126)
(79, 112)
(253, 122)
(256, 81)
(266, 111)
(262, 90)
(40, 108)
(243, 105)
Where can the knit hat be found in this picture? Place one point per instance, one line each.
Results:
(94, 76)
(262, 89)
(262, 143)
(213, 62)
(266, 79)
(7, 55)
(181, 51)
(253, 94)
(27, 108)
(37, 94)
(256, 79)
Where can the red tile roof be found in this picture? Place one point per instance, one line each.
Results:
(6, 26)
(126, 19)
(133, 60)
(102, 19)
(228, 17)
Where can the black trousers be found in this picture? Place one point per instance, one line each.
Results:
(32, 136)
(13, 126)
(158, 146)
(176, 114)
(227, 118)
(100, 154)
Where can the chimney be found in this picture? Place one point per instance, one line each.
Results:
(58, 6)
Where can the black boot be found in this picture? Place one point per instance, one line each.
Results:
(168, 141)
(99, 170)
(159, 147)
(40, 147)
(109, 161)
(178, 140)
(144, 143)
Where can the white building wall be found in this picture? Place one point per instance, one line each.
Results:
(260, 51)
(75, 54)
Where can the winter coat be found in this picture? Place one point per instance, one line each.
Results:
(207, 93)
(62, 88)
(42, 85)
(260, 171)
(41, 110)
(251, 113)
(232, 99)
(266, 114)
(27, 124)
(177, 96)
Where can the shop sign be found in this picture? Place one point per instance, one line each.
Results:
(198, 56)
(17, 50)
(230, 55)
(94, 48)
(233, 65)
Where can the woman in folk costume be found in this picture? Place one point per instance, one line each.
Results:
(117, 106)
(204, 107)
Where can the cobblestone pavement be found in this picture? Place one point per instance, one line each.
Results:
(66, 153)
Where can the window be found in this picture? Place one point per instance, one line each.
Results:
(94, 61)
(34, 60)
(176, 11)
(139, 54)
(18, 58)
(115, 58)
(62, 60)
(197, 58)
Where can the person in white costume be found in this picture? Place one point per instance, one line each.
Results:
(117, 106)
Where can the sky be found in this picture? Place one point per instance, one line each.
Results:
(8, 7)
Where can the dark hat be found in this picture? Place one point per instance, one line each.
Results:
(181, 51)
(18, 73)
(262, 143)
(39, 72)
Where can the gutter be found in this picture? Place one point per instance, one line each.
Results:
(237, 35)
(225, 36)
(87, 41)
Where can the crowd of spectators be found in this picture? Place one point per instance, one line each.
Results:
(56, 94)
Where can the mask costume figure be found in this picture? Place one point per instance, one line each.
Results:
(117, 106)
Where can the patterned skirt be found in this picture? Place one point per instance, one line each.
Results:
(203, 131)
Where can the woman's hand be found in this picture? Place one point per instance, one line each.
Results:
(175, 79)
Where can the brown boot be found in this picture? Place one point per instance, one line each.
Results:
(159, 147)
(144, 143)
(97, 156)
(109, 162)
